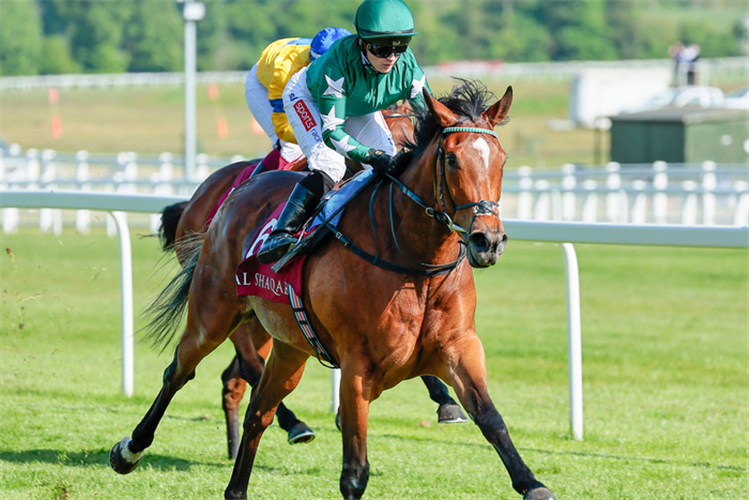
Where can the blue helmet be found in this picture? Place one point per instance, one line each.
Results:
(324, 39)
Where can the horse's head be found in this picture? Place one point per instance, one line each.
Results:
(468, 165)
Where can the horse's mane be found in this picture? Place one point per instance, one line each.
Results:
(468, 99)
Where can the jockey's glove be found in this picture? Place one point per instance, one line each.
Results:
(381, 162)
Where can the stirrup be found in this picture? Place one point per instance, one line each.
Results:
(275, 247)
(297, 209)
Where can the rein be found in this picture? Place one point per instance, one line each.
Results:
(482, 207)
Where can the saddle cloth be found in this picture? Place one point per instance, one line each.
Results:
(254, 278)
(260, 280)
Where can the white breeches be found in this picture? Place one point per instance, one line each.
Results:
(304, 117)
(256, 96)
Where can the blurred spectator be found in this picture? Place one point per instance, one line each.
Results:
(689, 57)
(685, 57)
(675, 51)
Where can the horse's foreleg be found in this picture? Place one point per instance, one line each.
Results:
(449, 411)
(468, 372)
(281, 375)
(354, 413)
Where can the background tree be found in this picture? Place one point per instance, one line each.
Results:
(249, 29)
(712, 42)
(153, 37)
(20, 38)
(579, 30)
(97, 34)
(56, 57)
(146, 35)
(212, 38)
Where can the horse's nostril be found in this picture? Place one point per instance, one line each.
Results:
(502, 243)
(479, 241)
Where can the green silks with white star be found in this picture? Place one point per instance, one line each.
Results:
(343, 84)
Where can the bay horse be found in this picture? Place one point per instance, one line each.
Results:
(418, 317)
(251, 342)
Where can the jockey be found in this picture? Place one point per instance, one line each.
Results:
(267, 79)
(334, 108)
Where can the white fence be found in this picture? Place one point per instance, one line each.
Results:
(561, 232)
(727, 68)
(656, 193)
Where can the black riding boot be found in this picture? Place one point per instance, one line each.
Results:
(297, 209)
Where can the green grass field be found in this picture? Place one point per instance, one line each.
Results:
(666, 380)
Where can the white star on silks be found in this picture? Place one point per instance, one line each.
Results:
(330, 121)
(335, 87)
(342, 146)
(417, 86)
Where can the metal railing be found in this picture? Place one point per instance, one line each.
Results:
(658, 193)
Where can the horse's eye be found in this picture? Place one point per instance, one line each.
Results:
(452, 162)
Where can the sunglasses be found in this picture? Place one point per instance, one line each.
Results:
(384, 51)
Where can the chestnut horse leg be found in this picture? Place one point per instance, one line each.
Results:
(449, 411)
(247, 365)
(468, 373)
(207, 327)
(356, 394)
(282, 373)
(234, 386)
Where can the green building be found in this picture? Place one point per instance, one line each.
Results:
(681, 135)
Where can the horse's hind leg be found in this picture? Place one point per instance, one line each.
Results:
(201, 337)
(468, 372)
(449, 411)
(282, 373)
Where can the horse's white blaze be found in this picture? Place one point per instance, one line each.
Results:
(483, 148)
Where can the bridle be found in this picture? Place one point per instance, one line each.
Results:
(481, 207)
(441, 192)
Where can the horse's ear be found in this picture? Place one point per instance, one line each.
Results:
(444, 116)
(499, 110)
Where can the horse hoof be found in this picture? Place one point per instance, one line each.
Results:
(450, 414)
(541, 493)
(338, 420)
(301, 433)
(122, 459)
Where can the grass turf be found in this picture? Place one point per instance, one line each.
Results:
(666, 365)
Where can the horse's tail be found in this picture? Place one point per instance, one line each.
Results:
(167, 310)
(168, 226)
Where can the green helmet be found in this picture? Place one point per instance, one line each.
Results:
(384, 19)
